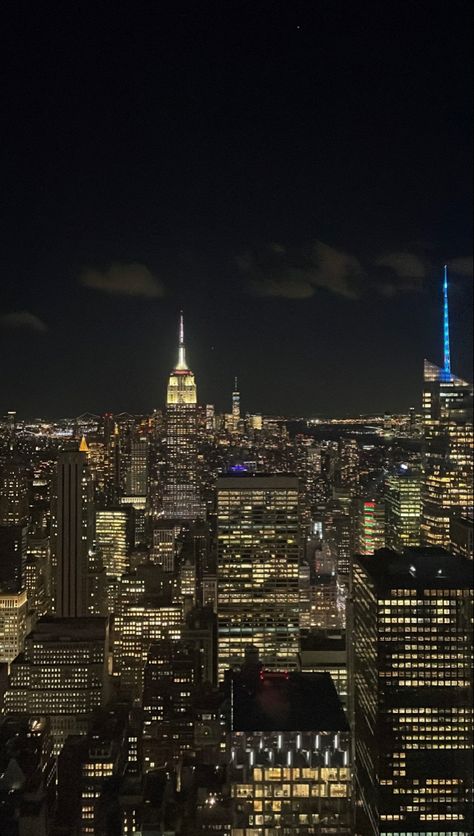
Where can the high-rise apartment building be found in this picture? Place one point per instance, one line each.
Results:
(72, 533)
(411, 704)
(258, 569)
(62, 674)
(181, 499)
(402, 508)
(448, 445)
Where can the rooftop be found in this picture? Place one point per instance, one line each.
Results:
(419, 567)
(50, 628)
(286, 702)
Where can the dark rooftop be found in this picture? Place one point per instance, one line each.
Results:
(324, 640)
(418, 568)
(286, 702)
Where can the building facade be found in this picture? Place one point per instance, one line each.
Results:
(411, 692)
(258, 569)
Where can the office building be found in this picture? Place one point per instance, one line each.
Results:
(13, 613)
(38, 573)
(13, 494)
(13, 550)
(145, 614)
(288, 755)
(402, 508)
(136, 481)
(112, 535)
(181, 497)
(258, 568)
(411, 679)
(62, 674)
(72, 533)
(462, 535)
(370, 525)
(172, 672)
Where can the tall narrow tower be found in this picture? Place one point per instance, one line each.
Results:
(235, 407)
(181, 499)
(446, 344)
(447, 443)
(72, 532)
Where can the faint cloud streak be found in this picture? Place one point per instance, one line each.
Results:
(463, 266)
(23, 319)
(133, 279)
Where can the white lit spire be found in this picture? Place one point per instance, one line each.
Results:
(182, 365)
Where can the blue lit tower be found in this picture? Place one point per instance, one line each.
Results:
(448, 443)
(447, 348)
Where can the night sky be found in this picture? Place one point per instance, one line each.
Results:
(292, 174)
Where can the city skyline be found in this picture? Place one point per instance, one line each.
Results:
(233, 396)
(298, 204)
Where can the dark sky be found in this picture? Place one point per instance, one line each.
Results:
(292, 174)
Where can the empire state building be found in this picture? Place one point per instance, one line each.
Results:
(181, 497)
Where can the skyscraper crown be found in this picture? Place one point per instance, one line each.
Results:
(181, 365)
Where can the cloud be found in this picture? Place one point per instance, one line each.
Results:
(298, 273)
(406, 265)
(121, 279)
(288, 289)
(337, 271)
(23, 319)
(462, 266)
(276, 270)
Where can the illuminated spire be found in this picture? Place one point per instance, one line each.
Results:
(182, 365)
(236, 388)
(447, 350)
(83, 448)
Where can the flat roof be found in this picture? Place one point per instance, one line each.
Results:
(53, 629)
(418, 568)
(287, 702)
(257, 481)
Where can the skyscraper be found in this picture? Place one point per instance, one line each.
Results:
(181, 498)
(370, 525)
(72, 533)
(448, 444)
(411, 680)
(112, 531)
(258, 569)
(235, 407)
(62, 674)
(402, 508)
